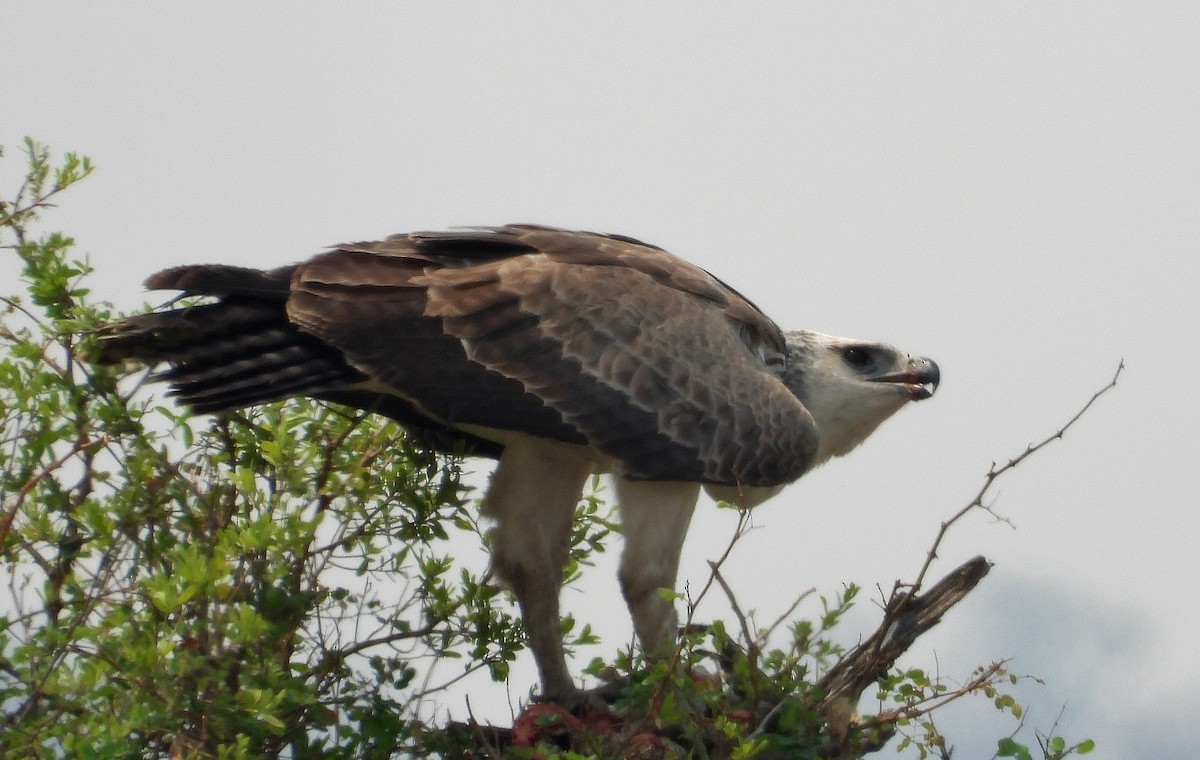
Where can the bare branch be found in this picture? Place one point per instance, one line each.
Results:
(913, 616)
(738, 532)
(994, 473)
(749, 637)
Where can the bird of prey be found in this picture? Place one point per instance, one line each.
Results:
(559, 353)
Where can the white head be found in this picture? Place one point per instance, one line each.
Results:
(851, 386)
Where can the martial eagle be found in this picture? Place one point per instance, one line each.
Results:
(560, 353)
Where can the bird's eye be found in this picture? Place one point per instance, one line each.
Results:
(859, 358)
(774, 360)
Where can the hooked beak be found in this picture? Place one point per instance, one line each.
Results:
(920, 379)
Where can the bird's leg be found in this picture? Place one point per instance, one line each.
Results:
(654, 519)
(533, 496)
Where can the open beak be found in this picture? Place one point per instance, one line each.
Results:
(920, 379)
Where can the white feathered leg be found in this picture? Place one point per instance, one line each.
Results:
(654, 519)
(532, 498)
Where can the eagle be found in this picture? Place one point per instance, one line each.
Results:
(561, 354)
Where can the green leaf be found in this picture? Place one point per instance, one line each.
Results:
(1008, 747)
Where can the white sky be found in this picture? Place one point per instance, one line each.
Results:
(1010, 188)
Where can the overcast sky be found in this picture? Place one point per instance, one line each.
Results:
(1010, 188)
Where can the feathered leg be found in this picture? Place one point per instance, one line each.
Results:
(533, 496)
(654, 518)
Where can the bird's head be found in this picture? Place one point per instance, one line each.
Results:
(851, 386)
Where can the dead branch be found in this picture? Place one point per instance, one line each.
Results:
(994, 473)
(908, 615)
(911, 617)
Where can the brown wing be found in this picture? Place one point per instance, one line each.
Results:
(583, 338)
(587, 339)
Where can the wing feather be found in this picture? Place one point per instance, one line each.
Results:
(578, 337)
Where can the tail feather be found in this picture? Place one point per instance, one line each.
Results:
(172, 335)
(224, 280)
(250, 394)
(292, 372)
(200, 373)
(239, 351)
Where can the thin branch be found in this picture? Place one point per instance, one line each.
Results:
(994, 473)
(750, 638)
(738, 532)
(6, 520)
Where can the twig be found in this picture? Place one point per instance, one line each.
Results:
(994, 473)
(751, 639)
(787, 614)
(739, 531)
